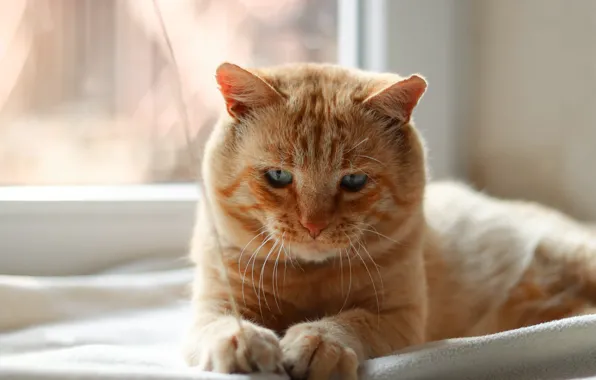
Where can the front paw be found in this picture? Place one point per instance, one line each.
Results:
(312, 351)
(223, 347)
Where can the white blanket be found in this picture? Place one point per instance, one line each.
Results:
(128, 323)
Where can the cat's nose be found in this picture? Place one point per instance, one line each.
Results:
(314, 227)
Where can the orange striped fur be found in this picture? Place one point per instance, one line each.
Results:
(399, 262)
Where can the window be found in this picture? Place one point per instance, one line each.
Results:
(94, 166)
(94, 162)
(87, 96)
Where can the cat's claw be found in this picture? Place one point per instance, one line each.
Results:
(309, 352)
(227, 349)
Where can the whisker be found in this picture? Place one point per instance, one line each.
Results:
(299, 266)
(292, 259)
(252, 276)
(357, 145)
(283, 284)
(261, 279)
(286, 257)
(349, 282)
(275, 277)
(379, 234)
(368, 254)
(372, 159)
(247, 244)
(371, 279)
(244, 277)
(377, 267)
(341, 273)
(253, 258)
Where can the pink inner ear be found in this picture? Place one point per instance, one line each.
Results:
(229, 92)
(243, 90)
(413, 89)
(223, 81)
(228, 81)
(399, 99)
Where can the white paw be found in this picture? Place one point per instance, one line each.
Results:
(310, 352)
(222, 347)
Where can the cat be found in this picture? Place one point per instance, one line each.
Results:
(335, 247)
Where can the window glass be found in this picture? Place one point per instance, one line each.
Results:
(87, 95)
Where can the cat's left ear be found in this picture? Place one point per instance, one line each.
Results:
(398, 99)
(243, 90)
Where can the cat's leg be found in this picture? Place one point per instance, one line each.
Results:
(338, 344)
(568, 246)
(561, 279)
(217, 343)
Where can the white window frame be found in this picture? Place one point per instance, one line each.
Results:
(77, 229)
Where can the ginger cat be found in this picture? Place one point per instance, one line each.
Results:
(336, 249)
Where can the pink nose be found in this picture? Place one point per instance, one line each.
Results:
(314, 228)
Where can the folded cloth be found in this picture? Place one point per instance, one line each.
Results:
(128, 324)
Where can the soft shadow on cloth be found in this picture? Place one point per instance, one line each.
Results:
(128, 323)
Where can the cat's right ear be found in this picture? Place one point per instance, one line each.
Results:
(398, 99)
(243, 90)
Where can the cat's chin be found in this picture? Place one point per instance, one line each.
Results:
(313, 252)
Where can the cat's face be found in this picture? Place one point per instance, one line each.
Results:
(315, 165)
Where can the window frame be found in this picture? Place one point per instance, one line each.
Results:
(60, 230)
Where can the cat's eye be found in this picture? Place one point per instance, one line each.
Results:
(278, 178)
(353, 182)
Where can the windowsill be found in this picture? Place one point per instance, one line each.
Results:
(65, 230)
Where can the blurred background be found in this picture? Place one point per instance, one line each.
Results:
(87, 95)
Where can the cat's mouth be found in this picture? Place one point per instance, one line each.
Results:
(311, 249)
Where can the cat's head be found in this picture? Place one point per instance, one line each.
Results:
(316, 157)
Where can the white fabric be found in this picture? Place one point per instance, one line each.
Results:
(128, 324)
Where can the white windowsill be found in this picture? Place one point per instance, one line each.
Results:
(81, 229)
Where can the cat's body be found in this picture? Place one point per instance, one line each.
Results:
(496, 265)
(332, 240)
